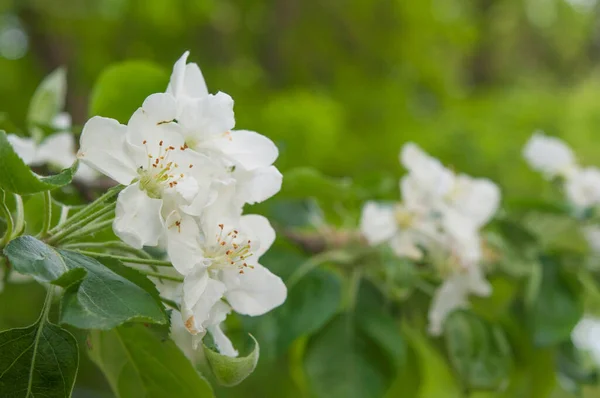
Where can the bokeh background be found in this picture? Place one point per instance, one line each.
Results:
(339, 85)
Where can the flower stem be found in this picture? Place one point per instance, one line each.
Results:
(170, 303)
(352, 289)
(133, 260)
(47, 214)
(115, 245)
(314, 262)
(90, 229)
(9, 220)
(20, 223)
(89, 209)
(161, 276)
(74, 228)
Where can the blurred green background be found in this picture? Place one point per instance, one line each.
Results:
(339, 85)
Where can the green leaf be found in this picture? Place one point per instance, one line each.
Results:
(342, 361)
(138, 363)
(107, 296)
(310, 304)
(122, 88)
(17, 177)
(479, 352)
(39, 360)
(231, 371)
(48, 99)
(557, 307)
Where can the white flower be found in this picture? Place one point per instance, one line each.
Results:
(583, 187)
(149, 155)
(453, 294)
(207, 121)
(586, 336)
(478, 199)
(220, 260)
(549, 155)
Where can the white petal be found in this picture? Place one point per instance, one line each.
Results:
(58, 149)
(549, 155)
(404, 245)
(377, 223)
(137, 218)
(194, 84)
(257, 185)
(452, 295)
(62, 121)
(25, 148)
(184, 242)
(259, 229)
(222, 342)
(583, 187)
(201, 293)
(476, 198)
(85, 173)
(160, 107)
(103, 148)
(254, 292)
(178, 76)
(249, 149)
(205, 119)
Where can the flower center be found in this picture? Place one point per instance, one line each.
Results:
(404, 217)
(160, 172)
(230, 251)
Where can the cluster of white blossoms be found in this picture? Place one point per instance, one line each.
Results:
(553, 157)
(188, 176)
(55, 151)
(440, 216)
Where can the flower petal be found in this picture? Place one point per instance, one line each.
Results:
(183, 242)
(200, 294)
(103, 148)
(160, 107)
(254, 292)
(377, 223)
(257, 185)
(137, 218)
(259, 229)
(25, 148)
(249, 149)
(204, 119)
(452, 295)
(58, 149)
(186, 79)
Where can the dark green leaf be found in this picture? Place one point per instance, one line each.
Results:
(122, 88)
(48, 99)
(17, 177)
(107, 296)
(479, 352)
(573, 370)
(138, 363)
(557, 307)
(231, 371)
(39, 360)
(342, 361)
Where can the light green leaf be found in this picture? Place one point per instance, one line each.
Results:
(48, 99)
(17, 177)
(39, 360)
(479, 352)
(341, 361)
(138, 363)
(107, 296)
(232, 371)
(122, 88)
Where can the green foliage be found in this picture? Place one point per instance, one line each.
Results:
(18, 178)
(41, 359)
(230, 371)
(138, 363)
(479, 352)
(122, 88)
(94, 291)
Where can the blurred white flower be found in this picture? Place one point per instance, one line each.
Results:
(583, 187)
(586, 336)
(549, 155)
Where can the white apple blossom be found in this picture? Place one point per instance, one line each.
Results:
(441, 214)
(586, 336)
(549, 155)
(583, 187)
(149, 155)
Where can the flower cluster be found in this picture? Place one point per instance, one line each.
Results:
(440, 216)
(553, 157)
(188, 175)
